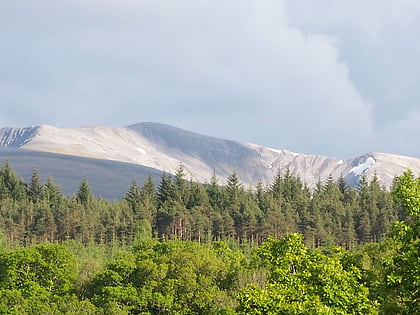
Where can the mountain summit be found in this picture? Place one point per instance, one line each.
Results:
(163, 147)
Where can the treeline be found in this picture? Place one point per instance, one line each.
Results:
(139, 255)
(179, 209)
(180, 277)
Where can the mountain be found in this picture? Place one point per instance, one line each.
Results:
(108, 179)
(152, 148)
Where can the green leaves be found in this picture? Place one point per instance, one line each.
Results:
(168, 278)
(47, 267)
(403, 275)
(33, 280)
(407, 192)
(304, 282)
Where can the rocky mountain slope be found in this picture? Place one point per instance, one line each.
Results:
(163, 148)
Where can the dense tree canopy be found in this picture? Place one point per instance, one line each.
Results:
(302, 281)
(185, 248)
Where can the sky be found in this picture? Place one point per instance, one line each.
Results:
(335, 78)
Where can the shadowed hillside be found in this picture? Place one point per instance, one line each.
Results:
(108, 179)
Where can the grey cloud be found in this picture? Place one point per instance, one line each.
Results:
(233, 69)
(396, 135)
(379, 42)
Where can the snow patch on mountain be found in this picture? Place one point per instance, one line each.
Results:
(363, 167)
(275, 150)
(142, 151)
(164, 147)
(16, 137)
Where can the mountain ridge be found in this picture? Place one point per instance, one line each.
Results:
(163, 147)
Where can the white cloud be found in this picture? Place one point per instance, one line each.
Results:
(371, 20)
(378, 40)
(234, 69)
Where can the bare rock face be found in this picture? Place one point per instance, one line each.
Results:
(164, 147)
(17, 137)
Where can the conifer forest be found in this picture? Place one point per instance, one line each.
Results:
(180, 247)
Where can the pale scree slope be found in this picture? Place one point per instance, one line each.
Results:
(164, 147)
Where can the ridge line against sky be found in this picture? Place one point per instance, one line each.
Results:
(332, 78)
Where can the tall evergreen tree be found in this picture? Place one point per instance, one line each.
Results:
(181, 186)
(233, 190)
(11, 185)
(213, 191)
(276, 186)
(84, 193)
(133, 197)
(342, 185)
(165, 193)
(148, 199)
(52, 193)
(35, 186)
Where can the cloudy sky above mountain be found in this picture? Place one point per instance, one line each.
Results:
(337, 78)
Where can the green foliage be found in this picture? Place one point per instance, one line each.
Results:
(133, 196)
(84, 192)
(331, 214)
(11, 186)
(304, 282)
(44, 267)
(407, 192)
(185, 248)
(403, 278)
(37, 280)
(35, 186)
(168, 278)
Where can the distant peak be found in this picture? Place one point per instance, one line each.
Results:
(155, 125)
(154, 129)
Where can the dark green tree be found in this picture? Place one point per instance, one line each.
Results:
(133, 197)
(11, 185)
(84, 192)
(181, 186)
(35, 186)
(52, 193)
(148, 200)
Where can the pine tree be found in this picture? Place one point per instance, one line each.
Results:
(233, 190)
(276, 187)
(133, 197)
(232, 203)
(148, 190)
(213, 191)
(52, 193)
(166, 203)
(342, 185)
(148, 200)
(181, 186)
(35, 186)
(11, 185)
(261, 196)
(84, 193)
(165, 193)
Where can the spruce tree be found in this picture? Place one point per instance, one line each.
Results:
(213, 191)
(148, 199)
(52, 193)
(133, 197)
(11, 185)
(181, 186)
(84, 193)
(35, 186)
